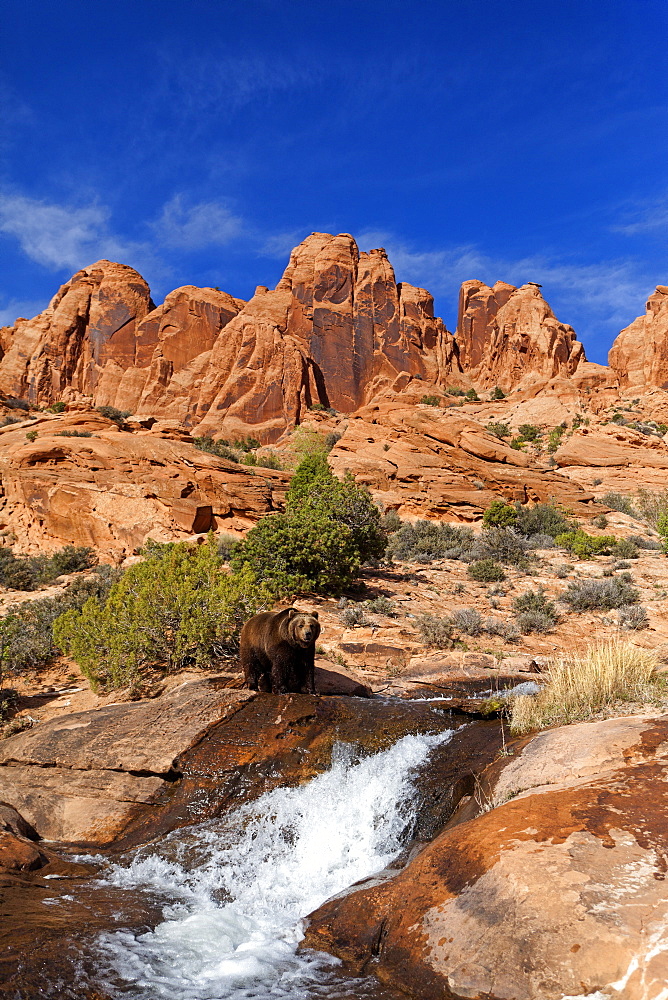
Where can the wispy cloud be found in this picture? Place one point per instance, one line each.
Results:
(13, 308)
(196, 226)
(63, 236)
(644, 218)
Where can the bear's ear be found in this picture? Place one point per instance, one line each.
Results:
(314, 614)
(291, 612)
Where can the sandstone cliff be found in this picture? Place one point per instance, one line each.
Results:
(639, 355)
(506, 333)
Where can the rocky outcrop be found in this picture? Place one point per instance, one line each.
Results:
(335, 329)
(549, 881)
(639, 355)
(83, 481)
(506, 334)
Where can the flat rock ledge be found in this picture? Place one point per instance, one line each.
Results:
(549, 881)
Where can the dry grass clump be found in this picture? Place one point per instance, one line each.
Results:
(580, 687)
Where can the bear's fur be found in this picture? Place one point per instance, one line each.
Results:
(278, 650)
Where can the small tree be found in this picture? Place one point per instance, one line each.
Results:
(499, 515)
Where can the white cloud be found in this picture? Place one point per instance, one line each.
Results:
(63, 236)
(644, 218)
(193, 227)
(15, 308)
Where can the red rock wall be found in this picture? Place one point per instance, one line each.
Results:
(639, 355)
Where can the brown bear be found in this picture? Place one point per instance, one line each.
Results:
(278, 650)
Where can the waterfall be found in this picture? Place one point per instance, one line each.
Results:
(235, 891)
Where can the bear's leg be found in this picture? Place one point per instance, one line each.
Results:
(283, 679)
(252, 668)
(310, 672)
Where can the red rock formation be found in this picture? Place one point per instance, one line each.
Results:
(639, 355)
(506, 333)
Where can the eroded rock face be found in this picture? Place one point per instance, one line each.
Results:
(548, 882)
(505, 334)
(640, 353)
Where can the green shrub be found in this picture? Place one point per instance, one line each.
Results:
(432, 400)
(501, 544)
(424, 541)
(112, 413)
(498, 429)
(533, 621)
(454, 390)
(541, 519)
(528, 432)
(31, 436)
(69, 434)
(585, 546)
(517, 443)
(554, 439)
(198, 615)
(301, 552)
(472, 396)
(331, 439)
(619, 502)
(58, 407)
(32, 572)
(497, 393)
(600, 522)
(246, 444)
(486, 571)
(624, 548)
(643, 542)
(381, 606)
(500, 514)
(316, 493)
(535, 601)
(391, 522)
(589, 595)
(220, 448)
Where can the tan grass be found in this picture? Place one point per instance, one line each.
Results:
(581, 687)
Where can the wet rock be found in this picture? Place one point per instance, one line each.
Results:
(550, 884)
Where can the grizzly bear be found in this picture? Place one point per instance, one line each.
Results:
(278, 650)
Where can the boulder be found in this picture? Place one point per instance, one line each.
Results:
(547, 882)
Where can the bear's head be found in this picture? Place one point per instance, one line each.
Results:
(303, 628)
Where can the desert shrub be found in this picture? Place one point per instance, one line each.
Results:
(435, 631)
(600, 522)
(500, 514)
(454, 390)
(391, 522)
(624, 548)
(500, 544)
(220, 448)
(331, 439)
(246, 444)
(11, 418)
(589, 595)
(619, 418)
(533, 621)
(633, 617)
(431, 400)
(113, 413)
(58, 407)
(32, 572)
(541, 542)
(424, 541)
(596, 481)
(652, 505)
(315, 492)
(17, 404)
(517, 443)
(498, 429)
(31, 436)
(554, 439)
(581, 686)
(486, 571)
(497, 393)
(467, 620)
(528, 432)
(353, 614)
(26, 633)
(505, 630)
(619, 502)
(535, 601)
(226, 546)
(472, 396)
(541, 519)
(585, 546)
(70, 434)
(381, 606)
(643, 542)
(562, 570)
(200, 613)
(269, 460)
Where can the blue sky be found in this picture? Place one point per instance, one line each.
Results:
(199, 140)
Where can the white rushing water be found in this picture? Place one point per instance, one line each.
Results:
(236, 890)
